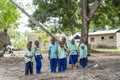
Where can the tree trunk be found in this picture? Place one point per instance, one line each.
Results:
(85, 22)
(86, 17)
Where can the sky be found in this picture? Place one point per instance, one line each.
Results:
(27, 5)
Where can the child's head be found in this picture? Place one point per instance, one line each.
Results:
(36, 43)
(53, 40)
(61, 44)
(29, 46)
(63, 39)
(82, 47)
(30, 42)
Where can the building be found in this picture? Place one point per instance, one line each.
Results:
(105, 39)
(102, 39)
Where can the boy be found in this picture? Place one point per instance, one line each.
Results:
(73, 56)
(52, 49)
(38, 57)
(83, 55)
(66, 47)
(28, 60)
(61, 57)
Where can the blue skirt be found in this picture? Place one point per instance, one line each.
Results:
(83, 62)
(73, 59)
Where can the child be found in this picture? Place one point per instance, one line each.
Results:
(72, 48)
(38, 57)
(53, 55)
(28, 60)
(61, 57)
(83, 55)
(66, 47)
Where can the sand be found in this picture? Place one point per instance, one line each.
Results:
(102, 66)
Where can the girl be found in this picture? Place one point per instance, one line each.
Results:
(73, 56)
(83, 55)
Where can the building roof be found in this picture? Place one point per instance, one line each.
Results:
(104, 32)
(97, 33)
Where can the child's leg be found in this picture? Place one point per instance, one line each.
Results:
(51, 65)
(54, 64)
(59, 65)
(85, 61)
(31, 67)
(71, 60)
(26, 68)
(75, 59)
(64, 64)
(38, 63)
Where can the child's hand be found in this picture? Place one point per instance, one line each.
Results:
(30, 56)
(48, 57)
(41, 57)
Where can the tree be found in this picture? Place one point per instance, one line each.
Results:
(86, 17)
(68, 12)
(8, 14)
(70, 20)
(55, 8)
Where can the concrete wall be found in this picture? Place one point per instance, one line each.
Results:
(107, 41)
(118, 40)
(32, 37)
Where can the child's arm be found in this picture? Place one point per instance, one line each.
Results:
(29, 56)
(49, 55)
(41, 56)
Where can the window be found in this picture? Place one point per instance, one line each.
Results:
(102, 38)
(92, 39)
(111, 37)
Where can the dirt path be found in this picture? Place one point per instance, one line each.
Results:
(12, 68)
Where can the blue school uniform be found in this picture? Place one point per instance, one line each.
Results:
(72, 48)
(53, 48)
(28, 62)
(61, 59)
(83, 55)
(38, 54)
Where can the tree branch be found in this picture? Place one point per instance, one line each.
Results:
(34, 21)
(93, 9)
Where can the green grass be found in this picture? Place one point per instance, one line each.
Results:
(107, 50)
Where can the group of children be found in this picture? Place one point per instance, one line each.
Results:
(57, 55)
(29, 54)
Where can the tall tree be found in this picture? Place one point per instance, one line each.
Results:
(86, 17)
(62, 9)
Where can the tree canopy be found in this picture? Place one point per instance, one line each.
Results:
(69, 14)
(8, 14)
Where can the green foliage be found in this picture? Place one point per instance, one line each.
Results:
(8, 14)
(42, 36)
(107, 14)
(69, 14)
(18, 40)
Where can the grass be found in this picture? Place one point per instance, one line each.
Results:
(107, 50)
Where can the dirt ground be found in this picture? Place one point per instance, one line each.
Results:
(102, 66)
